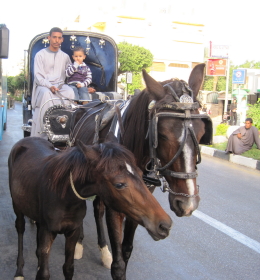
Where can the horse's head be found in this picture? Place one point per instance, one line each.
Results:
(175, 131)
(119, 184)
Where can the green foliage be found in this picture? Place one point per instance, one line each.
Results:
(136, 83)
(11, 84)
(252, 153)
(221, 129)
(15, 83)
(221, 84)
(133, 58)
(254, 113)
(220, 146)
(208, 83)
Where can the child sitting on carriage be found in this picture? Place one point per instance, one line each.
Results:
(79, 75)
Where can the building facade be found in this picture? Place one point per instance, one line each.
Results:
(168, 29)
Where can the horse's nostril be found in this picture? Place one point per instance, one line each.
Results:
(179, 204)
(164, 229)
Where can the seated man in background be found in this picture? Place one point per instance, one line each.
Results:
(242, 139)
(49, 76)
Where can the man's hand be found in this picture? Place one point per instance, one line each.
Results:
(79, 85)
(239, 135)
(54, 89)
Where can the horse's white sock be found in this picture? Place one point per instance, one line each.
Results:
(106, 257)
(78, 251)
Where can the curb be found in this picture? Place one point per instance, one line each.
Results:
(248, 162)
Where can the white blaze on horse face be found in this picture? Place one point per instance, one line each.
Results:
(129, 168)
(188, 161)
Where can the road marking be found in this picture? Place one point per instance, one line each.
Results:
(249, 242)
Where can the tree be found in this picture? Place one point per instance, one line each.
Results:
(254, 113)
(16, 83)
(133, 59)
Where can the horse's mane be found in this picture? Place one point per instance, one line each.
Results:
(58, 167)
(111, 158)
(136, 124)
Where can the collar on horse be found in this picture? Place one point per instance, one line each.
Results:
(182, 108)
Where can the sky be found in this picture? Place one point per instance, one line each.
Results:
(227, 22)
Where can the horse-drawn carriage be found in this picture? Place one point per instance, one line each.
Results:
(102, 59)
(161, 126)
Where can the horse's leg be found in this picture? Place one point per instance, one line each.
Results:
(99, 209)
(71, 240)
(114, 226)
(129, 232)
(20, 227)
(45, 240)
(127, 246)
(79, 247)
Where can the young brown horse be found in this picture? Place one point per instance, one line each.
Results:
(50, 187)
(163, 128)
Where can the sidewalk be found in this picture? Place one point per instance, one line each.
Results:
(248, 162)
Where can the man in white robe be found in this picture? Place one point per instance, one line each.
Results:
(242, 139)
(49, 76)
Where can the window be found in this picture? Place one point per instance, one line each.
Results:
(158, 66)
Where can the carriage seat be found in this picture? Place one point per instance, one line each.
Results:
(111, 95)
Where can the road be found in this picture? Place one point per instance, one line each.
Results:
(221, 241)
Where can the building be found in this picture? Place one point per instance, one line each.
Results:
(170, 30)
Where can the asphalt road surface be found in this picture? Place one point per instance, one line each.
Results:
(221, 241)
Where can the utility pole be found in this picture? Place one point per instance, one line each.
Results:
(227, 84)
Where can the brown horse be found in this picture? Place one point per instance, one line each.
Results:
(163, 128)
(50, 187)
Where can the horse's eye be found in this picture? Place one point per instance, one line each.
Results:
(120, 186)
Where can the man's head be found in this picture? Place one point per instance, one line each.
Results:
(55, 39)
(234, 100)
(248, 123)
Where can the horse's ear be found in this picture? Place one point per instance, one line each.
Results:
(154, 88)
(111, 137)
(88, 151)
(196, 78)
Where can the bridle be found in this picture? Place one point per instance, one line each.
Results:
(181, 108)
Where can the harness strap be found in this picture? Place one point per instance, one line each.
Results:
(74, 189)
(78, 126)
(180, 175)
(177, 154)
(172, 91)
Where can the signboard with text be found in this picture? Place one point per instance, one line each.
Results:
(129, 77)
(219, 51)
(239, 76)
(216, 67)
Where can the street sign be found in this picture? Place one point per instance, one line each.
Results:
(216, 67)
(239, 76)
(129, 78)
(219, 51)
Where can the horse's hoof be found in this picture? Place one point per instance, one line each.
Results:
(19, 278)
(106, 257)
(78, 251)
